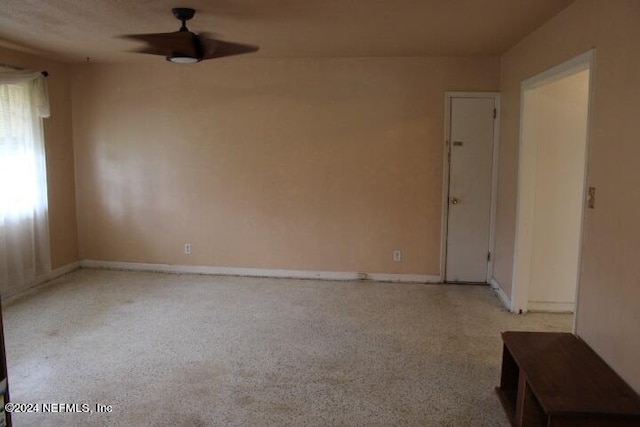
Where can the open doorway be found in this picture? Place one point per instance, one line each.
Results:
(551, 187)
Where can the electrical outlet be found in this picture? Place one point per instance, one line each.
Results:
(397, 256)
(187, 248)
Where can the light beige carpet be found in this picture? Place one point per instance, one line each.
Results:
(188, 350)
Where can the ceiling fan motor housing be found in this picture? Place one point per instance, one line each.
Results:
(183, 13)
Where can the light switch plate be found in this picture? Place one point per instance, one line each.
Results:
(591, 198)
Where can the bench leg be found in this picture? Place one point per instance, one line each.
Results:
(529, 413)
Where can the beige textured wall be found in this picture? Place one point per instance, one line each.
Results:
(59, 153)
(312, 164)
(608, 312)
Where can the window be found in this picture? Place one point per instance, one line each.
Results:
(24, 231)
(18, 157)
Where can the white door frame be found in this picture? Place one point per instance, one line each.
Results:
(523, 245)
(445, 181)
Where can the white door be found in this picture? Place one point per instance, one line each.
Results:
(470, 173)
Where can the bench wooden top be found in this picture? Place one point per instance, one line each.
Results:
(567, 376)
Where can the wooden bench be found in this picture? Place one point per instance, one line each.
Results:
(555, 379)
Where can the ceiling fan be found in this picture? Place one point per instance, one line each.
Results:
(184, 46)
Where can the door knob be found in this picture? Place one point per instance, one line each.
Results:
(455, 201)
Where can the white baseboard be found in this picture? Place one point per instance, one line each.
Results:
(260, 272)
(47, 277)
(504, 299)
(404, 278)
(551, 307)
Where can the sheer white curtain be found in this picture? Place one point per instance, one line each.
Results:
(24, 229)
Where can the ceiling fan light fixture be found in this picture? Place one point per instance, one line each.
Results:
(181, 59)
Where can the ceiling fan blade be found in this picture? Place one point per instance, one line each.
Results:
(176, 43)
(151, 51)
(212, 48)
(155, 38)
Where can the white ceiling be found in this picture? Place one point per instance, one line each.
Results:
(72, 30)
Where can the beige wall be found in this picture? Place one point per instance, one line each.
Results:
(59, 153)
(608, 316)
(311, 164)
